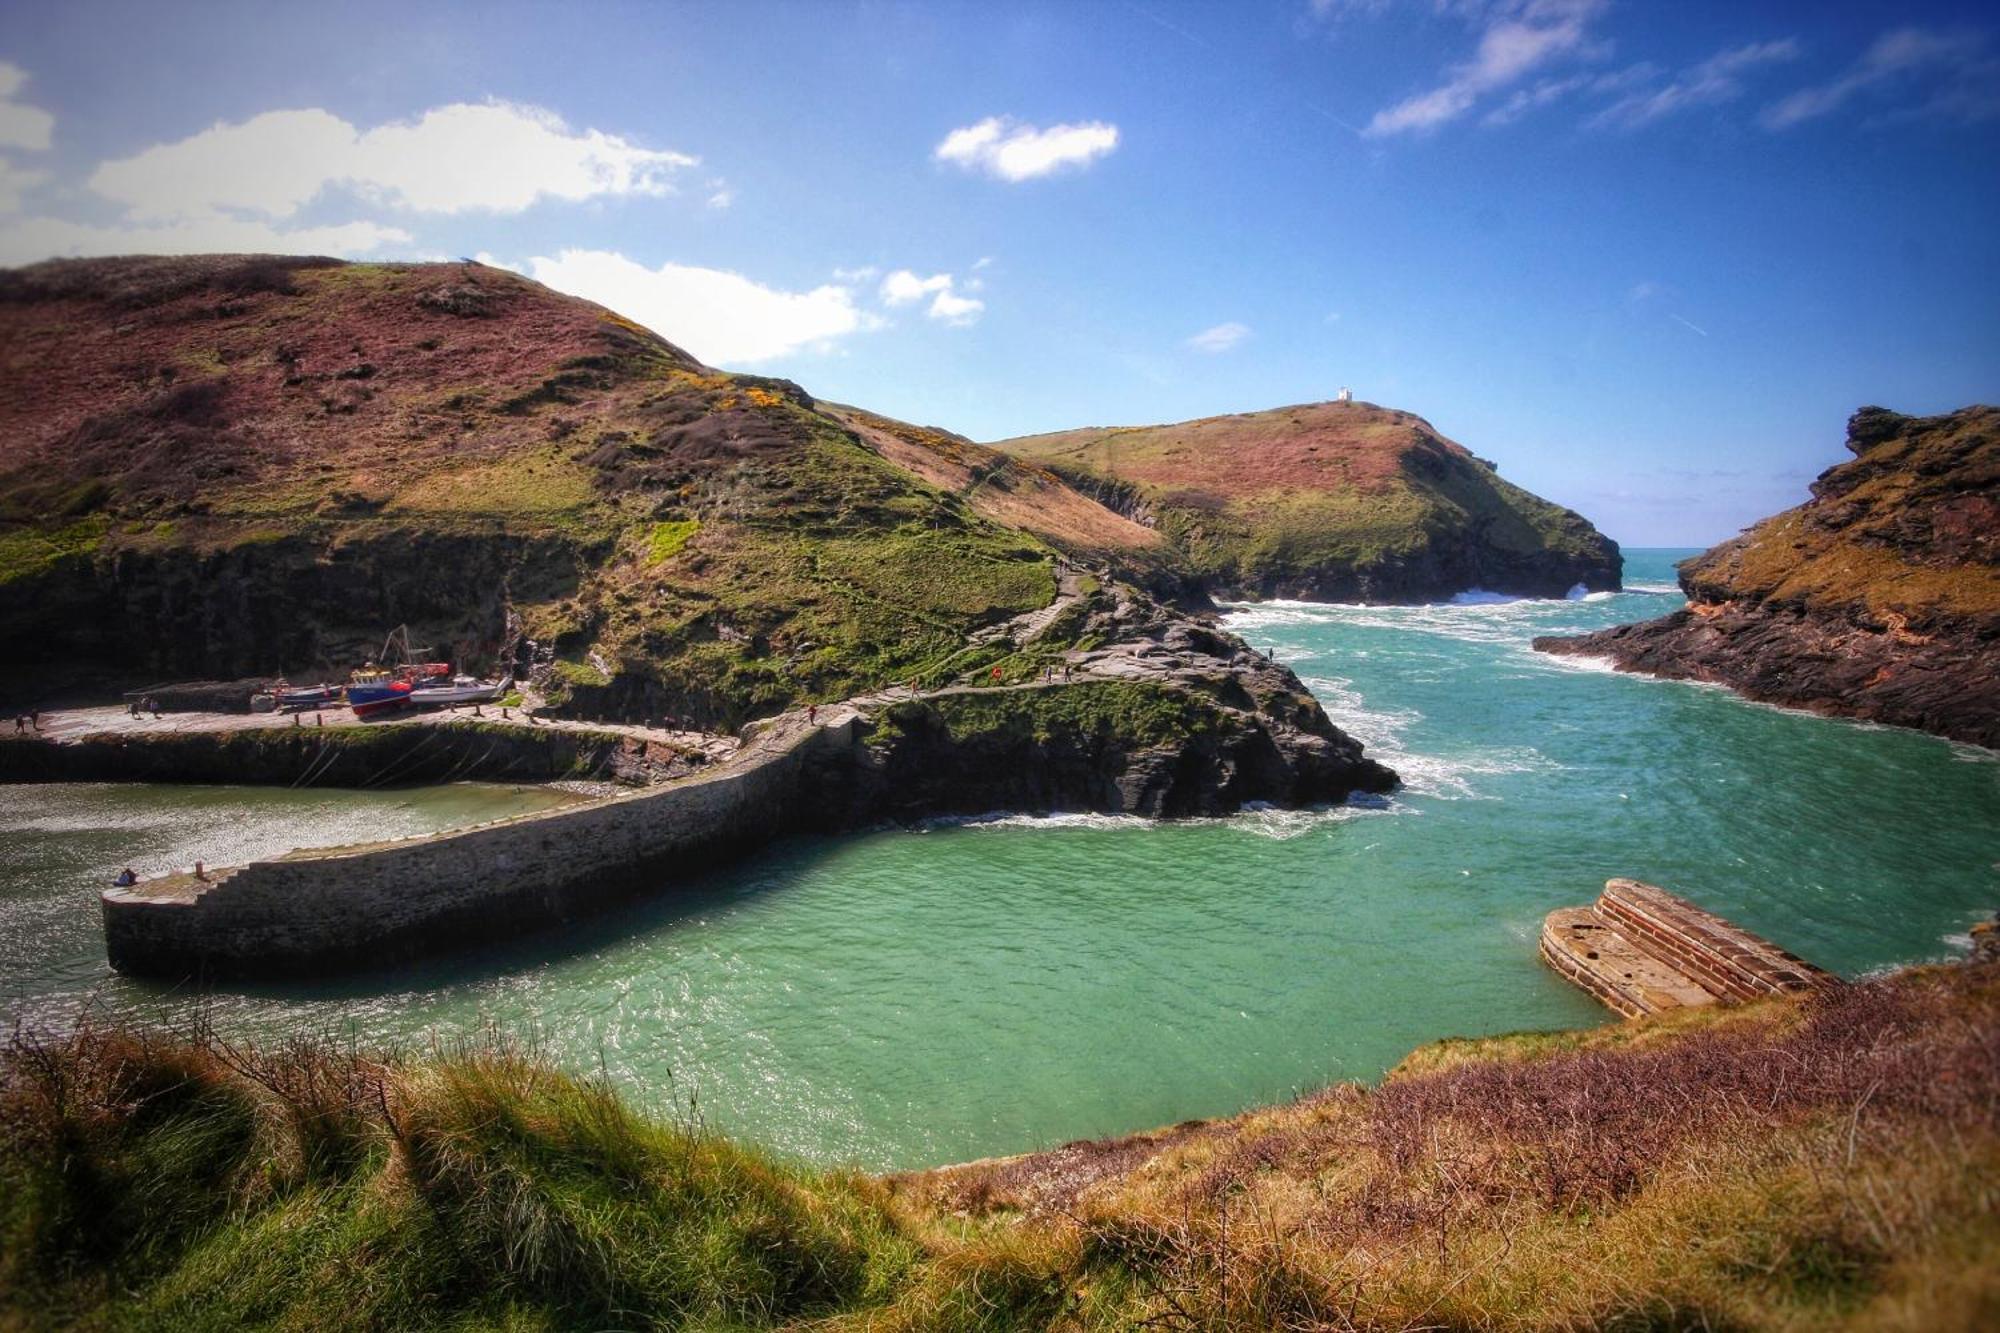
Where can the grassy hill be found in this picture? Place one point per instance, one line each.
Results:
(239, 465)
(1788, 1165)
(1333, 501)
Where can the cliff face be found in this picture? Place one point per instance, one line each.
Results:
(1332, 502)
(237, 466)
(1879, 598)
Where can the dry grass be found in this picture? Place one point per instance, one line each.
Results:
(1793, 1165)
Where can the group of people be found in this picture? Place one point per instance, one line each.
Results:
(24, 721)
(145, 705)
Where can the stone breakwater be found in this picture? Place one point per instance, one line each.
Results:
(374, 904)
(1123, 740)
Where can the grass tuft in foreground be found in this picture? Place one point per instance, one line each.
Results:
(1830, 1163)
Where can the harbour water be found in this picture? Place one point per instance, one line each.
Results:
(908, 997)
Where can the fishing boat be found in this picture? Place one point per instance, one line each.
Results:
(373, 693)
(435, 693)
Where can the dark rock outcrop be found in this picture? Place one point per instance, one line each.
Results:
(1879, 598)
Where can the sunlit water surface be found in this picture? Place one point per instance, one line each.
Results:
(910, 997)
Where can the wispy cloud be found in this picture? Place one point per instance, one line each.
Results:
(1220, 338)
(1688, 324)
(1515, 41)
(497, 157)
(1008, 150)
(1715, 80)
(947, 305)
(1962, 80)
(21, 125)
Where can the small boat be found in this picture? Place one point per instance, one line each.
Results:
(298, 698)
(458, 690)
(373, 693)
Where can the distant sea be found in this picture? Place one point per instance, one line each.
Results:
(910, 997)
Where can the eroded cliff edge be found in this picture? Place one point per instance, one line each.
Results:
(1879, 598)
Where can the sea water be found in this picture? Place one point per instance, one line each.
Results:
(914, 996)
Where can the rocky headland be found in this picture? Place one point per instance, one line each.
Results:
(1879, 598)
(1335, 501)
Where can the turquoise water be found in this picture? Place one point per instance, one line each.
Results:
(911, 997)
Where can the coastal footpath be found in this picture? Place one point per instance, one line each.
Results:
(1879, 598)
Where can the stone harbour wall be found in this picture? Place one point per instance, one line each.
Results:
(343, 908)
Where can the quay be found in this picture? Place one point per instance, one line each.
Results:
(320, 910)
(1642, 950)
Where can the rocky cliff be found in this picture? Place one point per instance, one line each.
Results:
(1878, 598)
(1331, 502)
(236, 466)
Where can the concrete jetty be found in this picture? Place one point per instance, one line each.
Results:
(325, 909)
(1642, 950)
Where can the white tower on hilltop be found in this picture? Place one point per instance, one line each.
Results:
(1346, 395)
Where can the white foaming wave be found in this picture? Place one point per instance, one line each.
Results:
(1604, 666)
(1058, 820)
(1481, 597)
(1652, 587)
(1381, 732)
(1257, 818)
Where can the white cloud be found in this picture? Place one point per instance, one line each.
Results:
(21, 125)
(15, 182)
(1220, 338)
(722, 197)
(25, 240)
(1516, 41)
(1965, 81)
(724, 318)
(956, 310)
(1715, 80)
(904, 287)
(1011, 151)
(495, 157)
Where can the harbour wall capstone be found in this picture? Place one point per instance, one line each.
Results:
(373, 905)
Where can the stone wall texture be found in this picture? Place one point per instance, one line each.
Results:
(356, 907)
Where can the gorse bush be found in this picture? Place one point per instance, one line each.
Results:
(1831, 1163)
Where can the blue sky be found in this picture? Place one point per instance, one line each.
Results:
(1646, 257)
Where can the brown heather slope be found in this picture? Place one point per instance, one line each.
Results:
(1005, 489)
(1878, 598)
(1331, 501)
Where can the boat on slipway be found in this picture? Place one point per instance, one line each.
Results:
(459, 690)
(374, 693)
